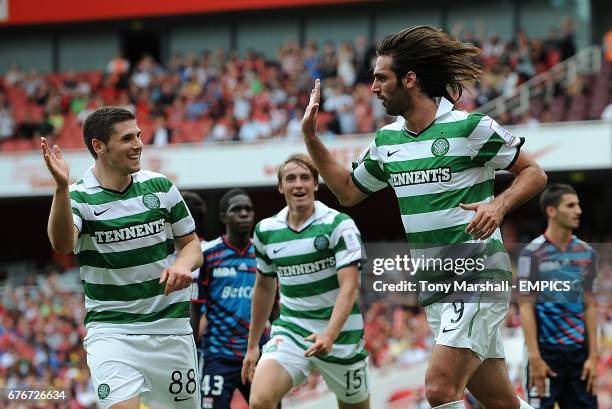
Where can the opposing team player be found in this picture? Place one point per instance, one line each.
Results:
(124, 224)
(560, 325)
(227, 278)
(441, 163)
(314, 252)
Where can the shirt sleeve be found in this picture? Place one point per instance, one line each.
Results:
(346, 242)
(368, 174)
(77, 215)
(492, 145)
(180, 219)
(265, 266)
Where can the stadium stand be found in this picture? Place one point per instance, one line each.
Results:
(217, 96)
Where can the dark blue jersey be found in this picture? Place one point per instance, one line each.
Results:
(225, 283)
(560, 312)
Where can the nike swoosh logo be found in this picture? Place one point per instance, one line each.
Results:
(351, 394)
(99, 213)
(177, 399)
(278, 249)
(445, 330)
(392, 153)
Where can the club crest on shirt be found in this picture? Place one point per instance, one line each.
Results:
(440, 147)
(151, 201)
(103, 391)
(321, 242)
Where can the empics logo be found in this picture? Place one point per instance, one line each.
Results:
(417, 177)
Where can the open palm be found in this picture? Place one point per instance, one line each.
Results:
(55, 163)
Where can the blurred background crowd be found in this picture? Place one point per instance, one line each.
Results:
(222, 96)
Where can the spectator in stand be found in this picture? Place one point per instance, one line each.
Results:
(342, 104)
(28, 126)
(312, 60)
(7, 123)
(14, 75)
(568, 40)
(162, 135)
(45, 128)
(329, 60)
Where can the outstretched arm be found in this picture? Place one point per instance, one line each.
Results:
(60, 228)
(335, 176)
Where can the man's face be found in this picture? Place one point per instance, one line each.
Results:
(122, 152)
(388, 88)
(298, 185)
(567, 214)
(240, 216)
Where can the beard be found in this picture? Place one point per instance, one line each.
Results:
(397, 103)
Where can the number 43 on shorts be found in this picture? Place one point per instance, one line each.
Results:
(217, 385)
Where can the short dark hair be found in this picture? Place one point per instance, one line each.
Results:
(225, 199)
(301, 159)
(443, 65)
(196, 206)
(99, 125)
(551, 196)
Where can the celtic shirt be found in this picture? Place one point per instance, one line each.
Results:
(126, 240)
(452, 161)
(306, 264)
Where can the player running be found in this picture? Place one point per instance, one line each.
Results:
(226, 281)
(315, 253)
(560, 327)
(441, 163)
(123, 224)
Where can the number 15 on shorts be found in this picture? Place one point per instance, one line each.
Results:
(355, 379)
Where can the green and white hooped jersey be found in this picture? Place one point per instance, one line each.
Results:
(306, 264)
(126, 240)
(453, 161)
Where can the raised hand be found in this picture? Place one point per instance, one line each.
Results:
(309, 122)
(55, 163)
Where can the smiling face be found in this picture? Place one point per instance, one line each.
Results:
(567, 213)
(392, 91)
(123, 150)
(298, 185)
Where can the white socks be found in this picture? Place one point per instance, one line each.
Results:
(524, 405)
(454, 405)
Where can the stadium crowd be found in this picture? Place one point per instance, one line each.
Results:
(41, 333)
(221, 96)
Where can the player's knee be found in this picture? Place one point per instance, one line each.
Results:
(262, 401)
(438, 393)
